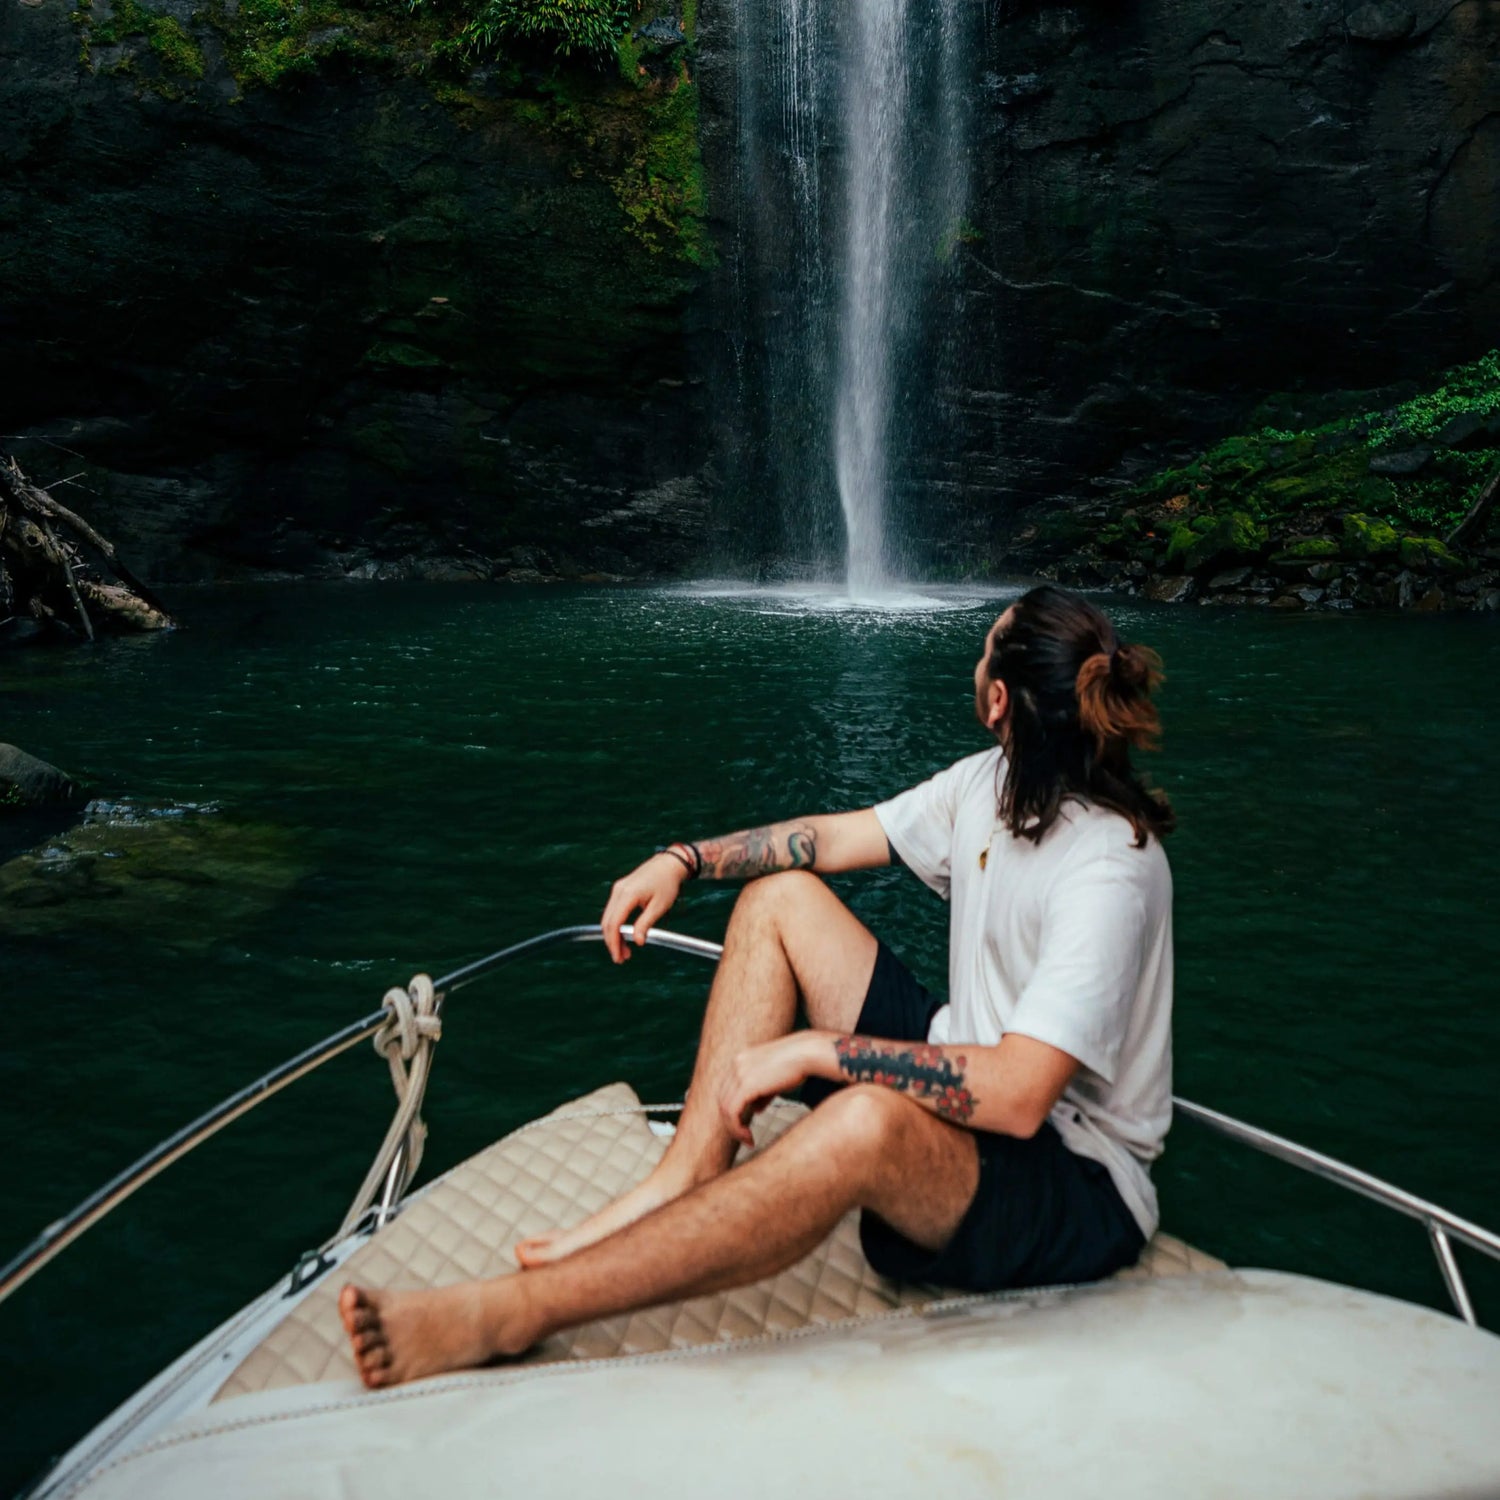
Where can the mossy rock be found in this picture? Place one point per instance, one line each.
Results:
(1233, 536)
(1307, 549)
(26, 782)
(1180, 541)
(184, 875)
(1237, 458)
(1427, 552)
(1369, 536)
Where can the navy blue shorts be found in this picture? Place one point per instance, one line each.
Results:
(1041, 1215)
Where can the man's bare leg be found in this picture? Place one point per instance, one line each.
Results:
(865, 1146)
(789, 936)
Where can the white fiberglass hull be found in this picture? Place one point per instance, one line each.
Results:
(1232, 1384)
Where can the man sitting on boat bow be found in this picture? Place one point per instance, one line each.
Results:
(1000, 1140)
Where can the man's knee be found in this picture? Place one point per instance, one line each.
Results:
(775, 895)
(865, 1119)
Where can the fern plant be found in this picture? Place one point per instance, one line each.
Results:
(590, 26)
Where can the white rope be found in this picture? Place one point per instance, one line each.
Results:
(405, 1041)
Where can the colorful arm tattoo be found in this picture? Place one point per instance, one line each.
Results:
(759, 851)
(926, 1072)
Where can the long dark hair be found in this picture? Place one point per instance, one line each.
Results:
(1080, 700)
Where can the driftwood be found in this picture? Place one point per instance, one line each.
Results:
(1472, 525)
(57, 571)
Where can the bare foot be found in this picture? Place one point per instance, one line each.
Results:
(398, 1336)
(641, 1200)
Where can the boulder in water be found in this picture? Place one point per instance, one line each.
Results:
(26, 781)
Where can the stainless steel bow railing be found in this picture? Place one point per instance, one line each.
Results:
(1443, 1228)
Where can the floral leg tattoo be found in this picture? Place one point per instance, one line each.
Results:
(926, 1072)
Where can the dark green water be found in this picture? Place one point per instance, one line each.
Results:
(401, 779)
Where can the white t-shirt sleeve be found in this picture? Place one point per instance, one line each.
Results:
(1080, 994)
(920, 821)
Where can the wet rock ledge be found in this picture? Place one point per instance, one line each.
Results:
(1381, 500)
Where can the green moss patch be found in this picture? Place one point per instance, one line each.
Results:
(1368, 536)
(1350, 487)
(1307, 549)
(660, 187)
(1428, 554)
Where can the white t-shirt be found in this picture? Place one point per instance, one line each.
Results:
(1068, 941)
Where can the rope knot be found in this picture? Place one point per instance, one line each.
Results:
(413, 1019)
(404, 1039)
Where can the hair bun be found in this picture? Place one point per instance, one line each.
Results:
(1135, 667)
(1114, 697)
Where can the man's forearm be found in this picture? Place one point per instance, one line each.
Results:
(980, 1087)
(937, 1077)
(758, 851)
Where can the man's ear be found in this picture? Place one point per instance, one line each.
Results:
(997, 703)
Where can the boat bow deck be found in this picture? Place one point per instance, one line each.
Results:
(554, 1172)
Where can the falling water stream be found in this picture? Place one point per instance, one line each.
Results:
(852, 183)
(875, 115)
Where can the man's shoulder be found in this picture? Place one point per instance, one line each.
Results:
(1092, 835)
(955, 784)
(982, 769)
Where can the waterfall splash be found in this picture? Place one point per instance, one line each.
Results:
(852, 181)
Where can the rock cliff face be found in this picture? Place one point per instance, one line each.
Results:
(1178, 207)
(352, 324)
(359, 324)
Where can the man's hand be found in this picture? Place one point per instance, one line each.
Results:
(650, 889)
(760, 1073)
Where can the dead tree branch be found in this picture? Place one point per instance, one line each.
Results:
(46, 576)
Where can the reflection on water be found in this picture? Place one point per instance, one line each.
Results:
(823, 598)
(403, 778)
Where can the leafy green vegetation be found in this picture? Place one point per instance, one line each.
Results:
(623, 107)
(1349, 511)
(566, 26)
(1415, 465)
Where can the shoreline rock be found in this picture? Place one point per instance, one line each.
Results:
(27, 783)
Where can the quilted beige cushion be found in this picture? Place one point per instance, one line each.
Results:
(553, 1173)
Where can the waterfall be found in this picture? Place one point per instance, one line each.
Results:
(875, 116)
(850, 191)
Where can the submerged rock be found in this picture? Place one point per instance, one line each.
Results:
(183, 872)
